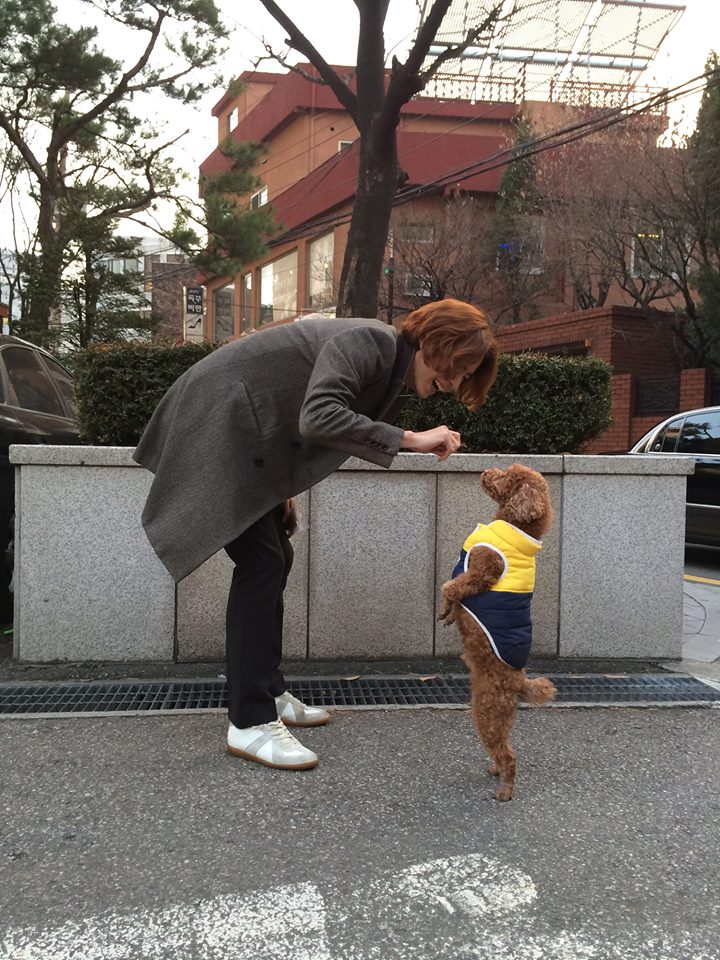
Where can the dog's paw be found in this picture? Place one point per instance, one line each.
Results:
(447, 614)
(450, 591)
(504, 792)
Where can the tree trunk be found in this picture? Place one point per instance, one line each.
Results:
(365, 252)
(43, 287)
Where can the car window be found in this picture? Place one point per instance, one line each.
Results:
(666, 440)
(29, 383)
(701, 434)
(64, 383)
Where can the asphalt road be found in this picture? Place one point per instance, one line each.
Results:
(703, 562)
(139, 837)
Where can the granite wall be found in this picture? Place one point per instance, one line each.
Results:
(368, 566)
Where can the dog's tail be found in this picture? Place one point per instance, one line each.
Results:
(539, 690)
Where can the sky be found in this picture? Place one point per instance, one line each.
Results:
(332, 27)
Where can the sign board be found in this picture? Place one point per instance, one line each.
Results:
(194, 311)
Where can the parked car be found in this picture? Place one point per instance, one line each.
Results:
(36, 406)
(695, 434)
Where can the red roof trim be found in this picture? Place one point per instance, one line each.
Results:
(293, 94)
(424, 156)
(249, 76)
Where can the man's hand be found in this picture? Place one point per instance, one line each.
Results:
(290, 516)
(442, 441)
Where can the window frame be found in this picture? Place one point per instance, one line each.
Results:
(12, 395)
(261, 196)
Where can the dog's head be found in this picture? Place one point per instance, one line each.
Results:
(522, 495)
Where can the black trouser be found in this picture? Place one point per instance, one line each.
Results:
(263, 557)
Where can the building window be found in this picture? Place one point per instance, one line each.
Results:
(524, 254)
(259, 199)
(647, 253)
(344, 145)
(246, 313)
(224, 307)
(415, 232)
(417, 285)
(278, 289)
(233, 118)
(320, 271)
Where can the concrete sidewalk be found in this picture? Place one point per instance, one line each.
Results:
(140, 837)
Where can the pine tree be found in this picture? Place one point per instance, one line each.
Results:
(519, 241)
(71, 114)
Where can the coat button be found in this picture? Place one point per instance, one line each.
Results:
(258, 461)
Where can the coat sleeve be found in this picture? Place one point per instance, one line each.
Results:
(350, 364)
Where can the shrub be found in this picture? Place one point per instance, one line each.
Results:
(539, 404)
(118, 385)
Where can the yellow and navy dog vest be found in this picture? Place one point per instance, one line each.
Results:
(503, 612)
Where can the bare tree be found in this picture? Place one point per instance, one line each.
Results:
(374, 100)
(443, 252)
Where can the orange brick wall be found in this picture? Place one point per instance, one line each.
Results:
(694, 388)
(635, 345)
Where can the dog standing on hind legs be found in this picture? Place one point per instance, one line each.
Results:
(489, 599)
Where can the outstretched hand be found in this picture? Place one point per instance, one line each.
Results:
(442, 441)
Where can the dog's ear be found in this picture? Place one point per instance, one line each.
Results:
(526, 504)
(529, 498)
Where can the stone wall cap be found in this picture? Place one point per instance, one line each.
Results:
(639, 464)
(459, 463)
(71, 455)
(645, 464)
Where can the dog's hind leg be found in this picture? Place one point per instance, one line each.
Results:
(505, 767)
(493, 727)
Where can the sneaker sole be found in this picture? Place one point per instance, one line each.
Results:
(305, 723)
(308, 765)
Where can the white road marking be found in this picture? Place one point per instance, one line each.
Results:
(278, 924)
(459, 908)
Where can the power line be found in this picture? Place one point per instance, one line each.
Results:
(560, 137)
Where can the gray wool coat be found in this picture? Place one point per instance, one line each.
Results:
(262, 419)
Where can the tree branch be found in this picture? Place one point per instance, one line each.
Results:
(407, 78)
(25, 151)
(298, 41)
(456, 50)
(70, 130)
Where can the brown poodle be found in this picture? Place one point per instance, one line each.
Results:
(489, 599)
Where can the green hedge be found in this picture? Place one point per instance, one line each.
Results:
(539, 404)
(118, 385)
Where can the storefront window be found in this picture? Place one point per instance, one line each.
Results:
(320, 271)
(246, 311)
(224, 303)
(278, 289)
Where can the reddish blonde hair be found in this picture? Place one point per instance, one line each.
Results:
(451, 335)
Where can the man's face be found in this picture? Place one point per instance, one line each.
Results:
(425, 380)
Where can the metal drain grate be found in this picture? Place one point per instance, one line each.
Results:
(447, 691)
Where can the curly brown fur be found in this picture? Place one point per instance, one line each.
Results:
(523, 500)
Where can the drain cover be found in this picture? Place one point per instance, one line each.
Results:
(446, 691)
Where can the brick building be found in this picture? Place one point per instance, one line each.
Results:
(309, 174)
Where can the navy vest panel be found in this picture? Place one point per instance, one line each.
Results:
(506, 619)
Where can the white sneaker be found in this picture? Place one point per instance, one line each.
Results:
(295, 713)
(271, 744)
